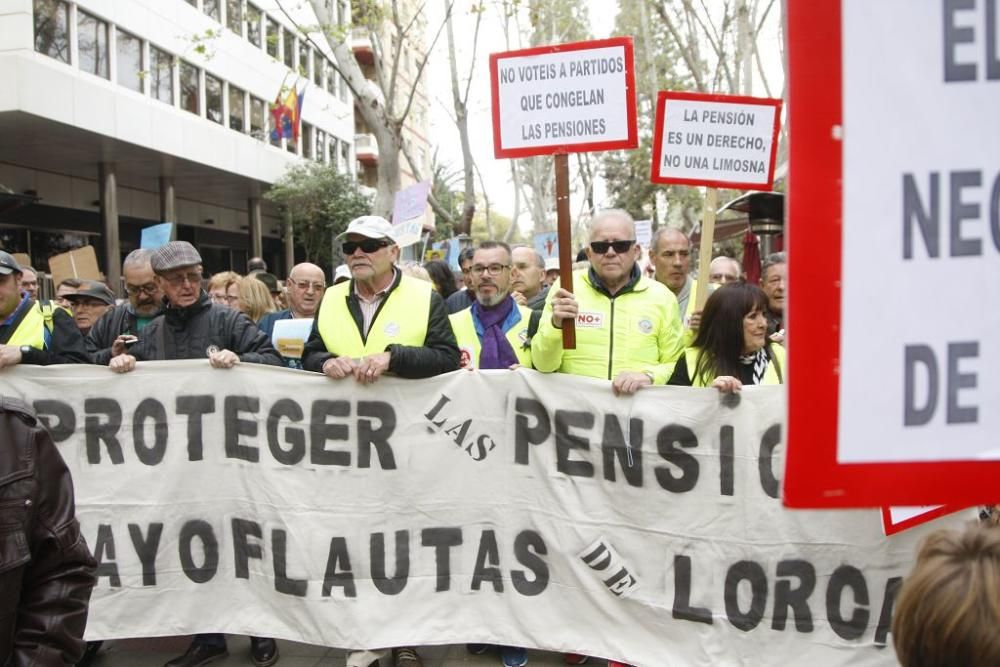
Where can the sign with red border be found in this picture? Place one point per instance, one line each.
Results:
(723, 141)
(869, 423)
(565, 98)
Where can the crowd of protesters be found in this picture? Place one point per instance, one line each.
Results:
(381, 316)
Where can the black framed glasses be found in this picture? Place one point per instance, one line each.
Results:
(492, 269)
(149, 289)
(368, 246)
(602, 247)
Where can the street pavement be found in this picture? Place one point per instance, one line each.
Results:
(156, 652)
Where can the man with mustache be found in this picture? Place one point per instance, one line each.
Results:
(120, 326)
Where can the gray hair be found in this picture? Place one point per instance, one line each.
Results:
(771, 260)
(137, 258)
(600, 216)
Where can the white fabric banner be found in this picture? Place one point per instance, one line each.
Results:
(499, 507)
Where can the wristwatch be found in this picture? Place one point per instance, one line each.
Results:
(25, 349)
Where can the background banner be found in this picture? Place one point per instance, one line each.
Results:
(500, 507)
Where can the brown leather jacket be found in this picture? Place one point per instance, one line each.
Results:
(46, 570)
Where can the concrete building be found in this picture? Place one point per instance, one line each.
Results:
(116, 115)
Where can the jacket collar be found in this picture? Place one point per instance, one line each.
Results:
(182, 315)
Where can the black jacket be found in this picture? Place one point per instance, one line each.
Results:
(66, 345)
(117, 321)
(46, 570)
(188, 333)
(439, 353)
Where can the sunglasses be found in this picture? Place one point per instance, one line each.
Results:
(368, 246)
(602, 247)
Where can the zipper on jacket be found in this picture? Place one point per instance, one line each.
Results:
(611, 339)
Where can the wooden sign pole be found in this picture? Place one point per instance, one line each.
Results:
(705, 249)
(564, 228)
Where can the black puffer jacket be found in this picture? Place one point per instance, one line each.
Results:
(46, 570)
(188, 333)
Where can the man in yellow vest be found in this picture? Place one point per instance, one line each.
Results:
(34, 333)
(380, 321)
(628, 329)
(494, 331)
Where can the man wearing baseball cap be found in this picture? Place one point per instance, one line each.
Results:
(89, 303)
(34, 333)
(192, 327)
(380, 321)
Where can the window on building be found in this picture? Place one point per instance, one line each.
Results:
(289, 49)
(306, 137)
(212, 8)
(237, 115)
(318, 62)
(92, 42)
(345, 156)
(303, 57)
(253, 25)
(332, 152)
(234, 16)
(161, 78)
(330, 80)
(292, 145)
(190, 91)
(341, 14)
(343, 88)
(271, 37)
(258, 118)
(130, 65)
(213, 99)
(52, 29)
(320, 146)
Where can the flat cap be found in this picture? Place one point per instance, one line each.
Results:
(174, 255)
(95, 290)
(8, 264)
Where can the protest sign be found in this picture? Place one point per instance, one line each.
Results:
(154, 236)
(896, 407)
(500, 507)
(77, 263)
(547, 245)
(564, 98)
(724, 141)
(408, 211)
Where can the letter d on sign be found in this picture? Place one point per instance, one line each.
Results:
(914, 356)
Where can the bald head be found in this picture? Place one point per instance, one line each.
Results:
(724, 270)
(306, 283)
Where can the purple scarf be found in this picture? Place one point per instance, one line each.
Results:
(496, 352)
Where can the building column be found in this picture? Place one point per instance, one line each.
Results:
(289, 244)
(109, 223)
(256, 224)
(168, 203)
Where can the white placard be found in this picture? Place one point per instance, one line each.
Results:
(920, 305)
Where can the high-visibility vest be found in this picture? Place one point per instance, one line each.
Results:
(770, 374)
(470, 346)
(402, 319)
(32, 328)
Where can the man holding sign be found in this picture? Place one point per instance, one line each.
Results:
(628, 327)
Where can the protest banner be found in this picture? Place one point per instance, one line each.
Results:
(890, 400)
(560, 99)
(719, 141)
(500, 507)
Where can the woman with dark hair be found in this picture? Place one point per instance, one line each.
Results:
(731, 348)
(442, 277)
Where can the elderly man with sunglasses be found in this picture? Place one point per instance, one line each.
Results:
(628, 330)
(120, 326)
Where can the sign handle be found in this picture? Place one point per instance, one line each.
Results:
(565, 242)
(705, 249)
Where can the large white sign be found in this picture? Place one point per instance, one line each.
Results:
(716, 140)
(503, 507)
(920, 307)
(568, 97)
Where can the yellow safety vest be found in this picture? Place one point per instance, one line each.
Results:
(31, 330)
(470, 346)
(402, 319)
(638, 331)
(770, 374)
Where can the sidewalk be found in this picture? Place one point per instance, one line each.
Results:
(156, 652)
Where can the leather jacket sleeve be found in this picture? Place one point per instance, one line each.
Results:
(57, 574)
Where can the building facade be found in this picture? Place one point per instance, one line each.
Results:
(118, 115)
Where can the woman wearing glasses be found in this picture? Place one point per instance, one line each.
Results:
(731, 348)
(224, 288)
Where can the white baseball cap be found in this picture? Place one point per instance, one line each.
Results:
(372, 226)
